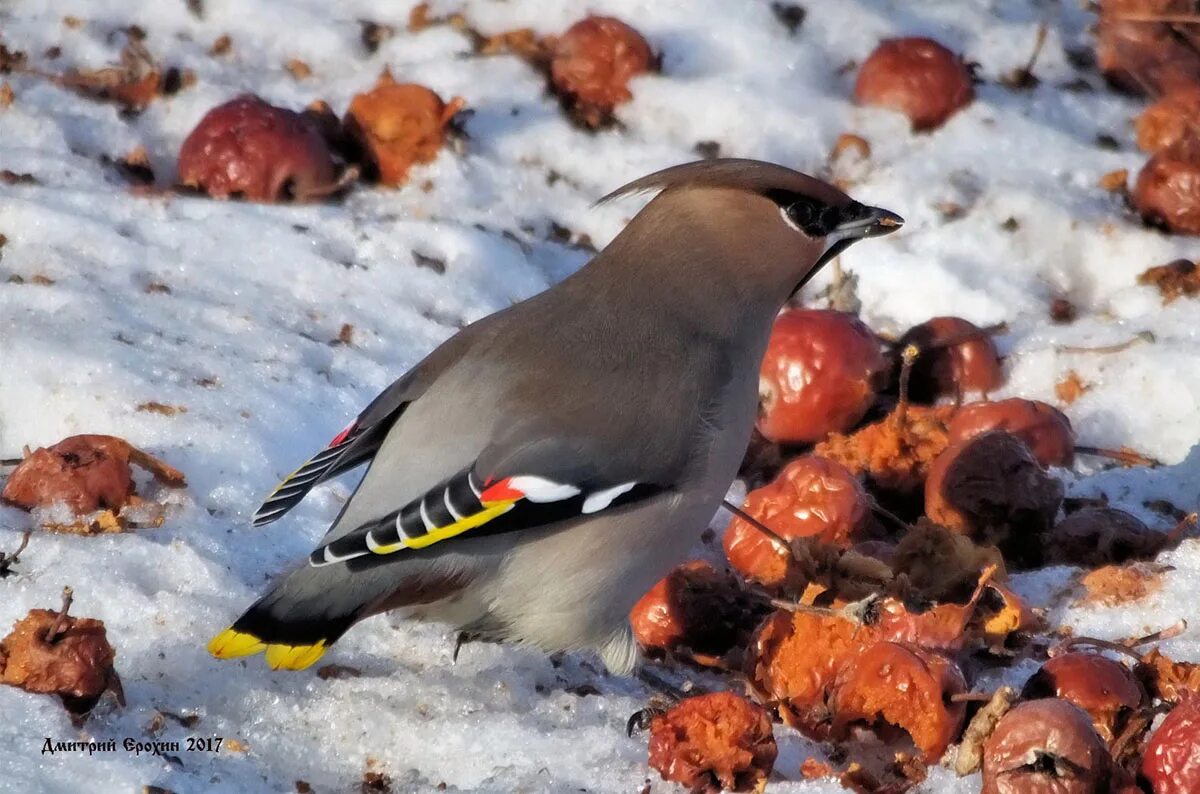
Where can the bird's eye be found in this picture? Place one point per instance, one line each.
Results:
(814, 218)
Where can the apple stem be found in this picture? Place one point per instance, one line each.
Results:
(9, 560)
(1142, 336)
(1179, 531)
(908, 357)
(59, 625)
(1172, 19)
(1124, 456)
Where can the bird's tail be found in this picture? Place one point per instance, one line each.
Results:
(309, 609)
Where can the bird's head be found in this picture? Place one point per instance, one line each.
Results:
(750, 219)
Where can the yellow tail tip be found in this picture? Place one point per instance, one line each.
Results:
(230, 644)
(294, 657)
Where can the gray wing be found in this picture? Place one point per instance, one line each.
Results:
(547, 480)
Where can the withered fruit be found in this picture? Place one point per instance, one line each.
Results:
(1177, 279)
(1167, 679)
(819, 375)
(696, 609)
(1167, 191)
(795, 659)
(1106, 689)
(908, 687)
(1003, 615)
(992, 488)
(956, 357)
(86, 473)
(1171, 759)
(917, 77)
(1044, 429)
(895, 453)
(592, 64)
(1144, 56)
(398, 125)
(1095, 536)
(1170, 120)
(1045, 746)
(714, 742)
(942, 627)
(55, 653)
(811, 497)
(250, 149)
(941, 565)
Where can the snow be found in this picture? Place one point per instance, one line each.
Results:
(257, 295)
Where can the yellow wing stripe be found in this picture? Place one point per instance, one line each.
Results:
(491, 510)
(231, 644)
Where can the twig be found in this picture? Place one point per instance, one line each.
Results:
(1179, 530)
(888, 514)
(1038, 43)
(1142, 336)
(1115, 647)
(7, 561)
(774, 537)
(1169, 633)
(1170, 19)
(59, 625)
(6, 462)
(855, 611)
(1127, 457)
(973, 697)
(1125, 647)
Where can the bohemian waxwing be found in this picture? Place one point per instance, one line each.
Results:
(539, 471)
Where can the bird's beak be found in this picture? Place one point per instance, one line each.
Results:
(867, 222)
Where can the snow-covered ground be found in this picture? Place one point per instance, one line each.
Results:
(257, 294)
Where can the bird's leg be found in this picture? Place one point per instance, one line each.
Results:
(664, 695)
(464, 638)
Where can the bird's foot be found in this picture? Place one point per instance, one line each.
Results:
(640, 720)
(464, 638)
(664, 695)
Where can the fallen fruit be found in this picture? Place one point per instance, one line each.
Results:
(1095, 536)
(592, 64)
(1167, 191)
(57, 654)
(908, 687)
(1171, 760)
(1045, 746)
(956, 357)
(794, 661)
(713, 742)
(398, 125)
(1043, 428)
(917, 77)
(84, 473)
(811, 497)
(895, 453)
(1106, 689)
(1144, 56)
(250, 149)
(992, 489)
(1170, 120)
(696, 609)
(818, 376)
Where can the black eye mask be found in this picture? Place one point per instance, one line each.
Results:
(813, 217)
